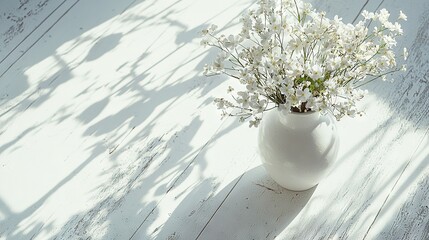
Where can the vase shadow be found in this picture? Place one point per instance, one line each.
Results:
(252, 206)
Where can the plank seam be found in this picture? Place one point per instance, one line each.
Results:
(25, 38)
(396, 182)
(220, 205)
(175, 181)
(38, 39)
(357, 15)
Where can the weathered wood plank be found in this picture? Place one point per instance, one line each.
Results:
(188, 218)
(407, 103)
(20, 18)
(215, 173)
(23, 23)
(116, 148)
(116, 122)
(405, 214)
(257, 208)
(345, 204)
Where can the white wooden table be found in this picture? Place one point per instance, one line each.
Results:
(108, 131)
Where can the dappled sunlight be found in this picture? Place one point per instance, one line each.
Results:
(410, 191)
(376, 153)
(112, 99)
(108, 131)
(365, 155)
(186, 192)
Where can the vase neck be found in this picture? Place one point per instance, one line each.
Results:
(299, 120)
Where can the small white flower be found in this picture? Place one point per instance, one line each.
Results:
(402, 16)
(232, 41)
(204, 32)
(295, 44)
(313, 104)
(390, 41)
(316, 72)
(243, 99)
(319, 62)
(405, 53)
(255, 122)
(204, 42)
(212, 28)
(303, 95)
(351, 112)
(368, 15)
(287, 90)
(396, 27)
(383, 16)
(259, 105)
(220, 103)
(334, 63)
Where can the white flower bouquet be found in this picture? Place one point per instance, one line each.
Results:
(292, 57)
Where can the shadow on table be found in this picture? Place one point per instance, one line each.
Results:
(264, 198)
(250, 206)
(375, 182)
(410, 218)
(408, 99)
(242, 218)
(170, 152)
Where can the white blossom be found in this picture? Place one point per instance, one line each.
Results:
(316, 72)
(405, 53)
(243, 99)
(368, 15)
(303, 95)
(402, 16)
(290, 56)
(383, 16)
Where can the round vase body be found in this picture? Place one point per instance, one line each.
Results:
(297, 149)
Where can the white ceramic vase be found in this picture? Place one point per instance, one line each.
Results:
(297, 149)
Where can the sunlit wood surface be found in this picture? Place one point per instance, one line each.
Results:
(108, 131)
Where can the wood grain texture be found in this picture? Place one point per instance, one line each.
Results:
(391, 145)
(116, 122)
(23, 23)
(107, 131)
(405, 213)
(354, 192)
(19, 19)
